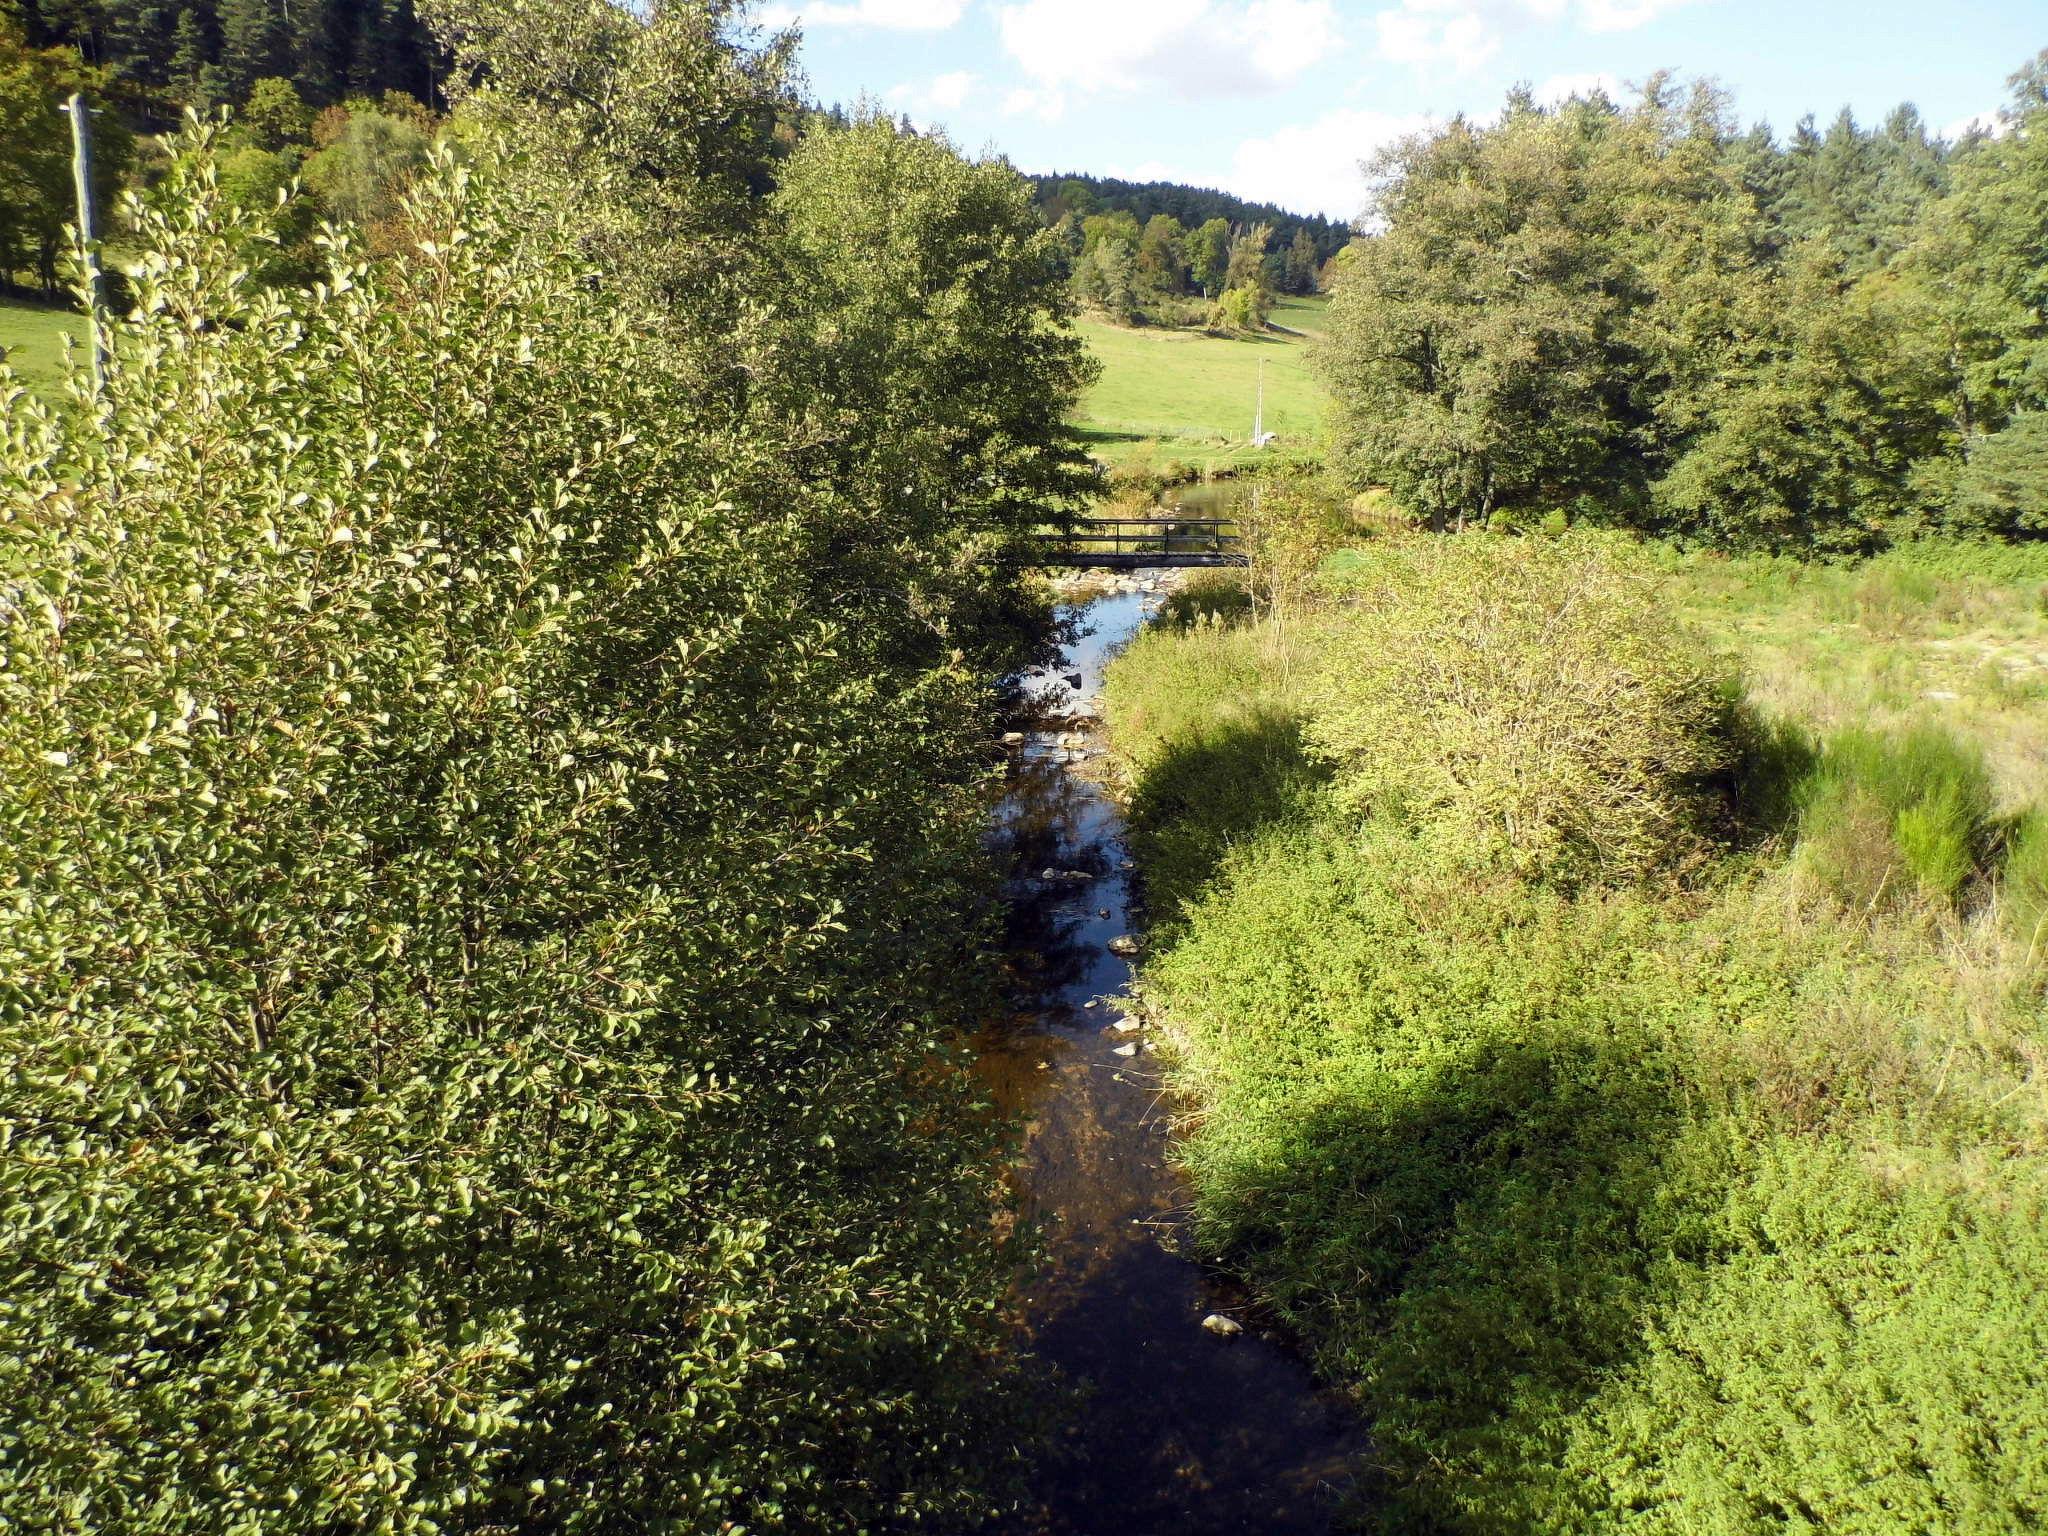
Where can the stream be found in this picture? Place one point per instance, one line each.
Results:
(1177, 1429)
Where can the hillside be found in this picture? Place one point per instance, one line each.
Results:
(1190, 396)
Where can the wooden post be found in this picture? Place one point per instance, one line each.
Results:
(88, 237)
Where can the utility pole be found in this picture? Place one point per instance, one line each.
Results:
(88, 237)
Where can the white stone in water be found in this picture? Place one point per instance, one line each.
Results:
(1127, 1026)
(1127, 864)
(1127, 1050)
(1223, 1327)
(1093, 1002)
(1013, 738)
(1123, 944)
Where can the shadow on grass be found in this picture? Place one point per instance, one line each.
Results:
(1462, 1244)
(1209, 791)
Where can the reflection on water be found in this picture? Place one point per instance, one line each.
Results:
(1180, 1431)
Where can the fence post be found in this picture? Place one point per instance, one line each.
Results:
(88, 236)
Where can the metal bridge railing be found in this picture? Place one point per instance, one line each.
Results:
(1128, 538)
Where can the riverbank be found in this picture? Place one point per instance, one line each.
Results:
(1679, 1193)
(1193, 1414)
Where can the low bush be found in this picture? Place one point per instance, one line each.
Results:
(1885, 816)
(1527, 697)
(1208, 597)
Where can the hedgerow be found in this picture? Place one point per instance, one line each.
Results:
(476, 1041)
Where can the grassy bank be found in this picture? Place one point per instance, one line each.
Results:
(1188, 396)
(32, 341)
(1947, 635)
(1636, 1103)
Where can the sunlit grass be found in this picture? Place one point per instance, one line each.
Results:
(1190, 397)
(32, 338)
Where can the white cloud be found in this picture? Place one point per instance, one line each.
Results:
(1997, 124)
(1421, 34)
(1460, 36)
(894, 15)
(946, 93)
(1025, 102)
(1623, 15)
(1319, 167)
(1196, 48)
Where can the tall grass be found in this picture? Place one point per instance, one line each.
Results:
(1886, 816)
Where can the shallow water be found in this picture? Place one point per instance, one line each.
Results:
(1179, 1430)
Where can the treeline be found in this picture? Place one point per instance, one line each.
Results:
(1639, 315)
(1064, 194)
(1134, 260)
(490, 754)
(158, 59)
(350, 160)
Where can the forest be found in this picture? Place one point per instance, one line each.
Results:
(1642, 316)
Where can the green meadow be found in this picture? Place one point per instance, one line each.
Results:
(32, 341)
(1187, 396)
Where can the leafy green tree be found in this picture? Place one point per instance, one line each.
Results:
(2003, 487)
(1304, 264)
(1162, 267)
(1107, 279)
(1242, 309)
(1100, 229)
(1465, 346)
(362, 175)
(938, 374)
(1246, 266)
(469, 831)
(1209, 256)
(275, 114)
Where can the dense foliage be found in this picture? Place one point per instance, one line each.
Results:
(1525, 703)
(1708, 1204)
(37, 196)
(158, 58)
(1079, 196)
(485, 889)
(1637, 315)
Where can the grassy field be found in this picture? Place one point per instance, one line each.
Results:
(1184, 395)
(32, 337)
(1947, 635)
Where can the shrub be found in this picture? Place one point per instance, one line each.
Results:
(1528, 697)
(2024, 882)
(1882, 816)
(466, 1067)
(1208, 597)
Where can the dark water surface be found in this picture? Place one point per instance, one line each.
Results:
(1179, 1431)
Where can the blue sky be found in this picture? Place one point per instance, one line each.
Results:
(1279, 99)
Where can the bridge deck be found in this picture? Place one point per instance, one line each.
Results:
(1133, 543)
